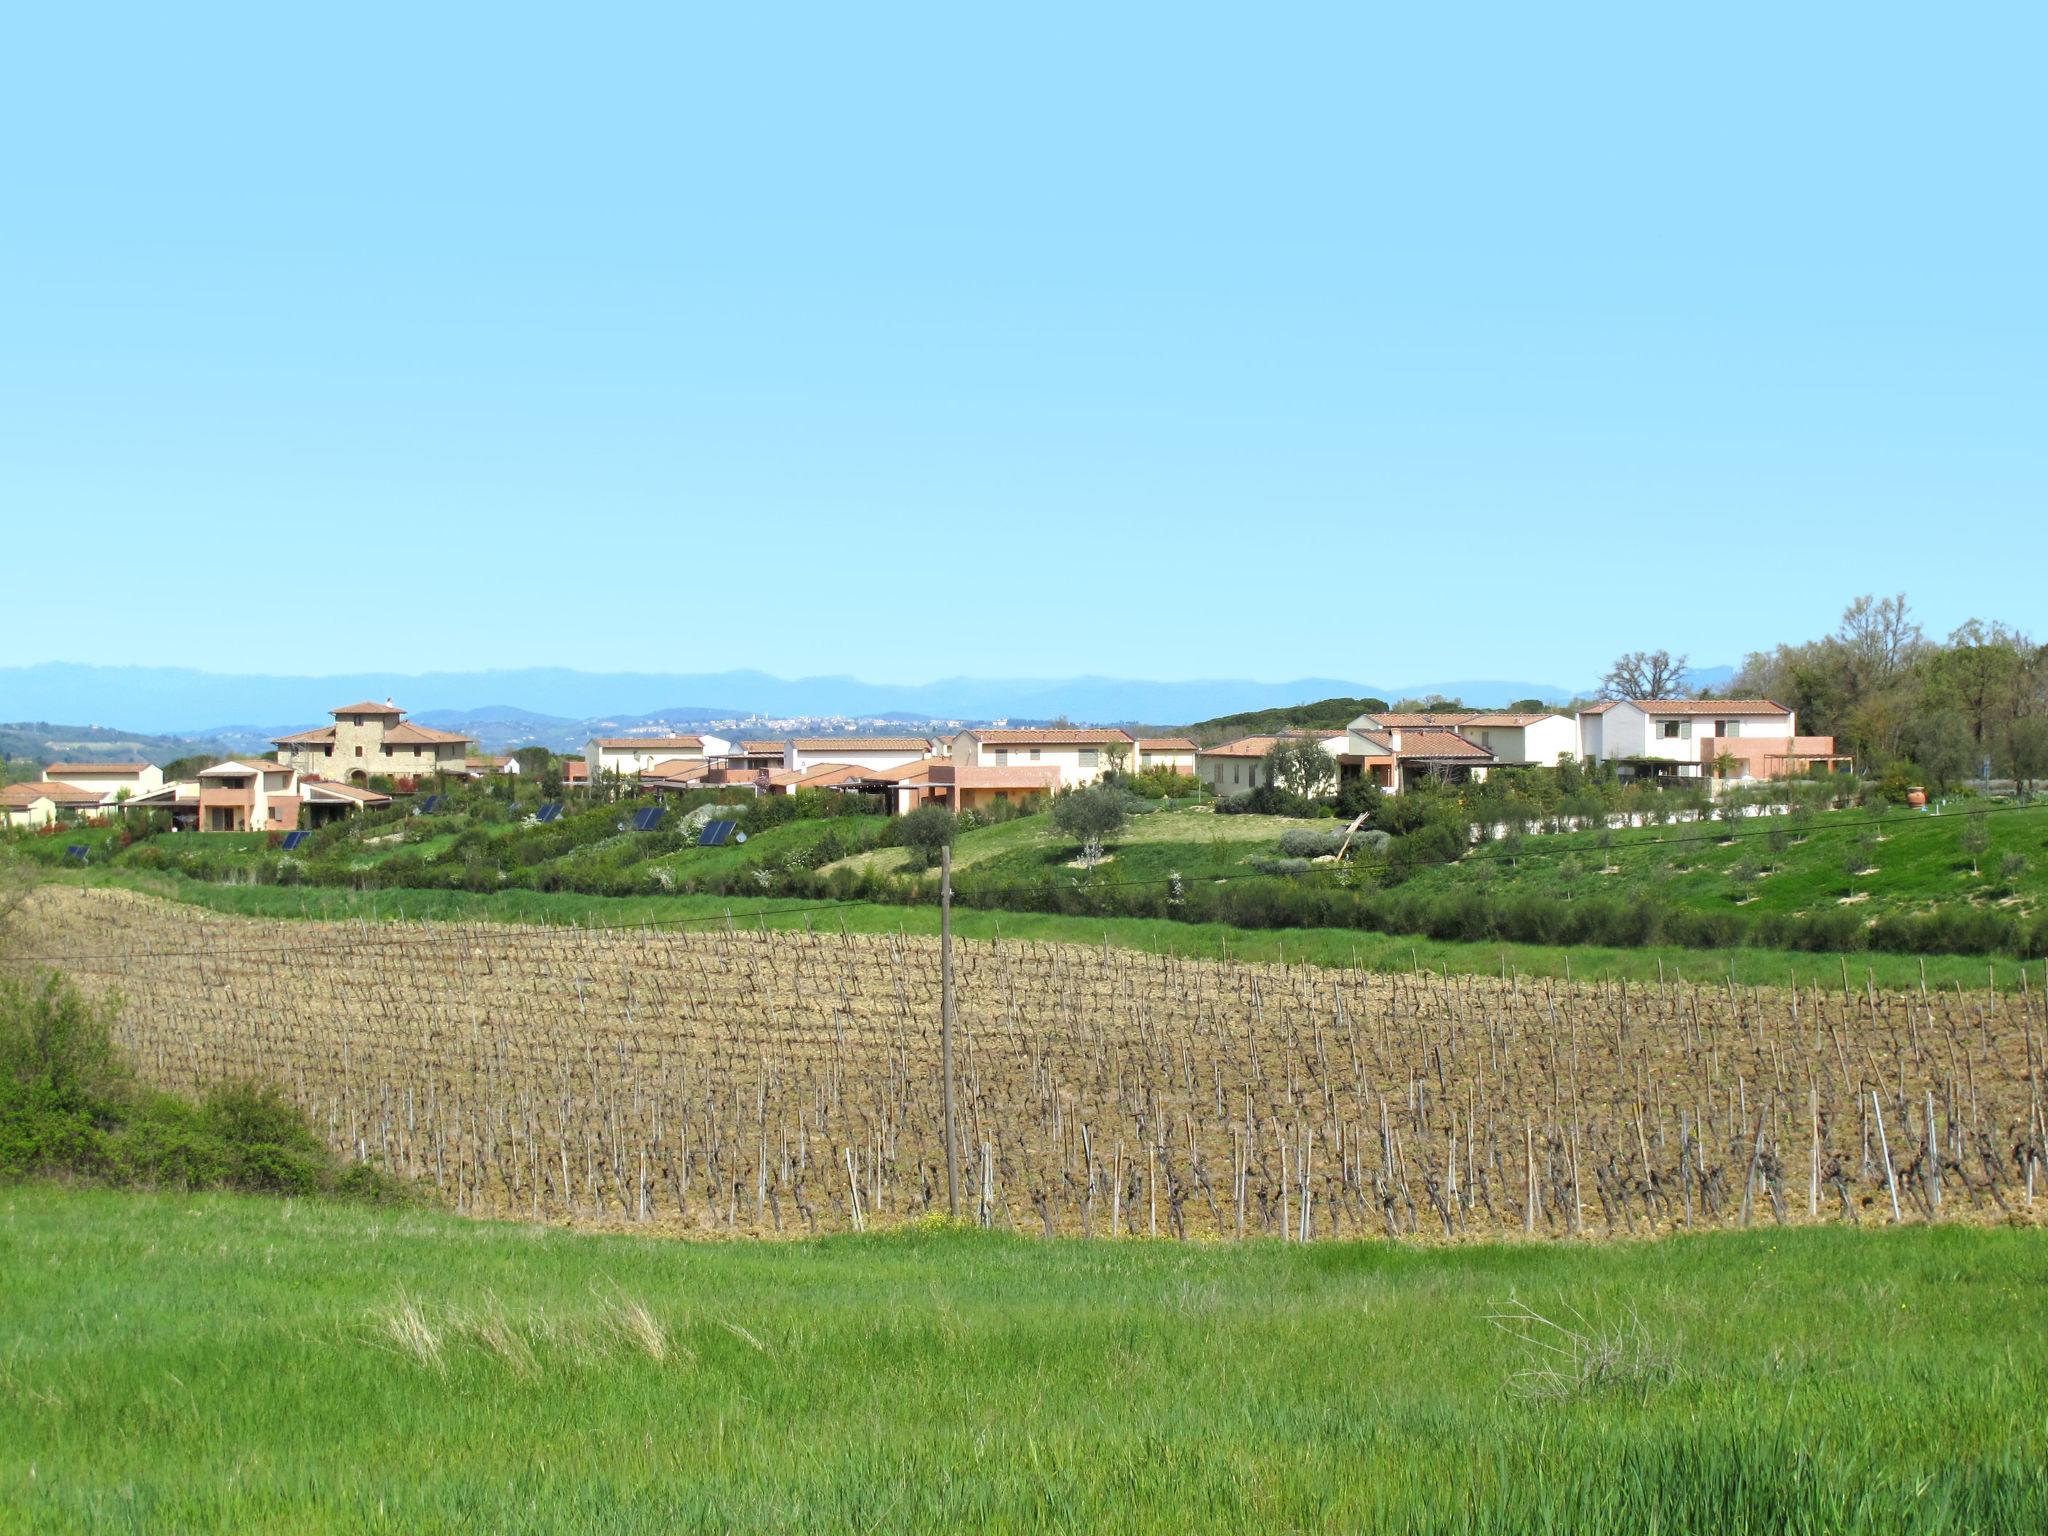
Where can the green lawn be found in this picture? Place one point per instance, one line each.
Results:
(236, 1363)
(1199, 844)
(1316, 946)
(1909, 862)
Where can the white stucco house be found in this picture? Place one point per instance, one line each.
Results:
(1695, 738)
(1082, 755)
(856, 751)
(628, 755)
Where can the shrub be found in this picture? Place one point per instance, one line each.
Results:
(70, 1107)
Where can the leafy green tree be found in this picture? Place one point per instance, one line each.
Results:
(1943, 748)
(2024, 751)
(1091, 816)
(1300, 765)
(2011, 868)
(925, 831)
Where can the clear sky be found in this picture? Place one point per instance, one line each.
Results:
(1391, 343)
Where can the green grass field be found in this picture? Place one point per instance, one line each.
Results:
(1199, 844)
(1313, 946)
(208, 1362)
(1908, 862)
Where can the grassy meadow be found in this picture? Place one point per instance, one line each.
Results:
(187, 1362)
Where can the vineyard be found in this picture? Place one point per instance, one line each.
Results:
(720, 1080)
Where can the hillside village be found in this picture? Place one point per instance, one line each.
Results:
(371, 750)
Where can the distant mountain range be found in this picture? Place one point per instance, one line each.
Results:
(562, 708)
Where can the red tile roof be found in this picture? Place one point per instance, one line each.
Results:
(965, 776)
(19, 795)
(405, 733)
(1505, 717)
(1710, 707)
(651, 743)
(98, 770)
(313, 737)
(862, 744)
(1165, 744)
(367, 708)
(1084, 738)
(1439, 744)
(1409, 720)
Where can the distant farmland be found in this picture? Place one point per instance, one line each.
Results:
(734, 1081)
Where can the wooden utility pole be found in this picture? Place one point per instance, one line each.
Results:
(946, 1026)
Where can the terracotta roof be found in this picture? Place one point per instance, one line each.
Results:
(969, 777)
(1709, 707)
(676, 768)
(1600, 708)
(1165, 744)
(18, 795)
(1244, 746)
(1439, 744)
(1050, 737)
(324, 733)
(98, 770)
(493, 763)
(651, 743)
(367, 707)
(862, 744)
(1509, 717)
(759, 749)
(1259, 746)
(905, 770)
(405, 733)
(1410, 720)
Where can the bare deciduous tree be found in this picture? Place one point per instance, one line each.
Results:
(1644, 675)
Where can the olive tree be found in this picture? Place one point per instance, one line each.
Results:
(1091, 816)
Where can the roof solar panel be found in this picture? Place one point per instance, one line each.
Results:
(76, 851)
(715, 833)
(431, 804)
(549, 811)
(644, 821)
(293, 839)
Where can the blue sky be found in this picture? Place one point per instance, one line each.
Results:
(905, 342)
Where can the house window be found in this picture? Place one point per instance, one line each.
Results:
(1002, 757)
(1088, 759)
(1237, 773)
(1671, 730)
(1034, 754)
(359, 751)
(1727, 727)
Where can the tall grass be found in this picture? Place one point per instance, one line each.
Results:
(223, 1362)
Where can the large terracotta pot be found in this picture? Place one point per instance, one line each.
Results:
(1916, 797)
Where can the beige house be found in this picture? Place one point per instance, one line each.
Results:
(40, 802)
(1173, 753)
(248, 797)
(1239, 767)
(112, 782)
(368, 740)
(1082, 756)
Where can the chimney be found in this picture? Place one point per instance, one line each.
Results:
(1394, 739)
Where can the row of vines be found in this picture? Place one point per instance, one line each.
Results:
(736, 1081)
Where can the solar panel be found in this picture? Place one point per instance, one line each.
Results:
(293, 839)
(644, 821)
(715, 833)
(549, 811)
(76, 851)
(431, 804)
